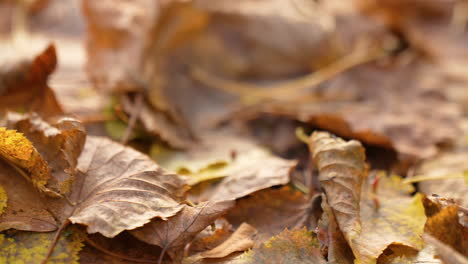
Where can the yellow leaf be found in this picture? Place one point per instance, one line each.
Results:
(3, 199)
(292, 247)
(19, 151)
(31, 248)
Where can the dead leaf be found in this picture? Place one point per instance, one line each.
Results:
(446, 253)
(226, 157)
(342, 170)
(117, 189)
(438, 176)
(295, 246)
(445, 227)
(59, 144)
(3, 200)
(368, 225)
(20, 152)
(24, 208)
(242, 239)
(270, 211)
(24, 85)
(179, 230)
(29, 248)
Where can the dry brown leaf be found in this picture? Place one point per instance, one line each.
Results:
(446, 253)
(342, 170)
(117, 189)
(24, 211)
(270, 211)
(24, 85)
(59, 144)
(445, 226)
(19, 152)
(369, 225)
(438, 176)
(242, 166)
(295, 247)
(241, 240)
(177, 231)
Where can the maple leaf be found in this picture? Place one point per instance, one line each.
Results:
(28, 248)
(182, 228)
(118, 188)
(295, 246)
(25, 85)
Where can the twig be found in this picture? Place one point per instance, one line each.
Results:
(133, 117)
(110, 253)
(55, 240)
(284, 90)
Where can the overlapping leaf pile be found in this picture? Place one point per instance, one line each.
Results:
(210, 100)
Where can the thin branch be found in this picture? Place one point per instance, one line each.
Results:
(284, 90)
(136, 109)
(55, 240)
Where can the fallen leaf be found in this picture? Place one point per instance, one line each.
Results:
(295, 246)
(221, 156)
(270, 211)
(445, 227)
(369, 225)
(397, 254)
(20, 152)
(446, 253)
(117, 189)
(342, 170)
(24, 209)
(25, 247)
(242, 239)
(177, 231)
(59, 143)
(438, 176)
(25, 85)
(3, 200)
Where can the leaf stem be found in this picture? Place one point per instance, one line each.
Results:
(55, 240)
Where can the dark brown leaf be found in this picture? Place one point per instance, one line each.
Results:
(24, 85)
(174, 233)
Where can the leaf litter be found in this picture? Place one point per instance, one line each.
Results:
(199, 177)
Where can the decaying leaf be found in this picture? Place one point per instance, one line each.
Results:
(24, 208)
(270, 211)
(446, 253)
(242, 239)
(368, 225)
(244, 166)
(445, 227)
(20, 152)
(3, 200)
(182, 228)
(118, 188)
(25, 85)
(295, 246)
(342, 170)
(59, 143)
(29, 248)
(443, 175)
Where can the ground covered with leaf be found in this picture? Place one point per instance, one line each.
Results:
(234, 131)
